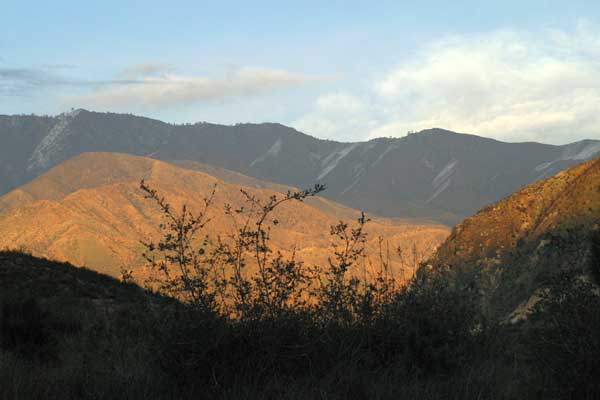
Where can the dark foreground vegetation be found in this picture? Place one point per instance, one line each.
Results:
(285, 331)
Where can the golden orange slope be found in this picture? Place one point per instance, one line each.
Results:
(569, 199)
(90, 211)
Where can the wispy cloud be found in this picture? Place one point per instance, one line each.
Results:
(22, 81)
(145, 69)
(149, 85)
(27, 76)
(506, 84)
(156, 87)
(338, 115)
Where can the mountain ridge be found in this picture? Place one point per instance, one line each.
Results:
(516, 244)
(90, 211)
(435, 174)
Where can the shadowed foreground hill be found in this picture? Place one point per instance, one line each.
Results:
(72, 333)
(25, 276)
(544, 228)
(90, 211)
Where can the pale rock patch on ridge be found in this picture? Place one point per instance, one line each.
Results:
(273, 151)
(442, 180)
(332, 160)
(51, 145)
(572, 152)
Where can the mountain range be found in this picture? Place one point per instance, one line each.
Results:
(434, 174)
(90, 210)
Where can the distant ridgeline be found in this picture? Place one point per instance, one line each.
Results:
(435, 174)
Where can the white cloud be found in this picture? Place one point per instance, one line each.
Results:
(507, 84)
(340, 103)
(156, 88)
(338, 116)
(148, 68)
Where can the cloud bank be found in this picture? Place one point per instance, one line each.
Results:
(506, 84)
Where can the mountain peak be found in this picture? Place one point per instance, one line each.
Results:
(437, 131)
(74, 112)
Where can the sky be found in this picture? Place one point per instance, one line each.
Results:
(342, 70)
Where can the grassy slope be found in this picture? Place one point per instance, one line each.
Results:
(75, 333)
(93, 213)
(518, 242)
